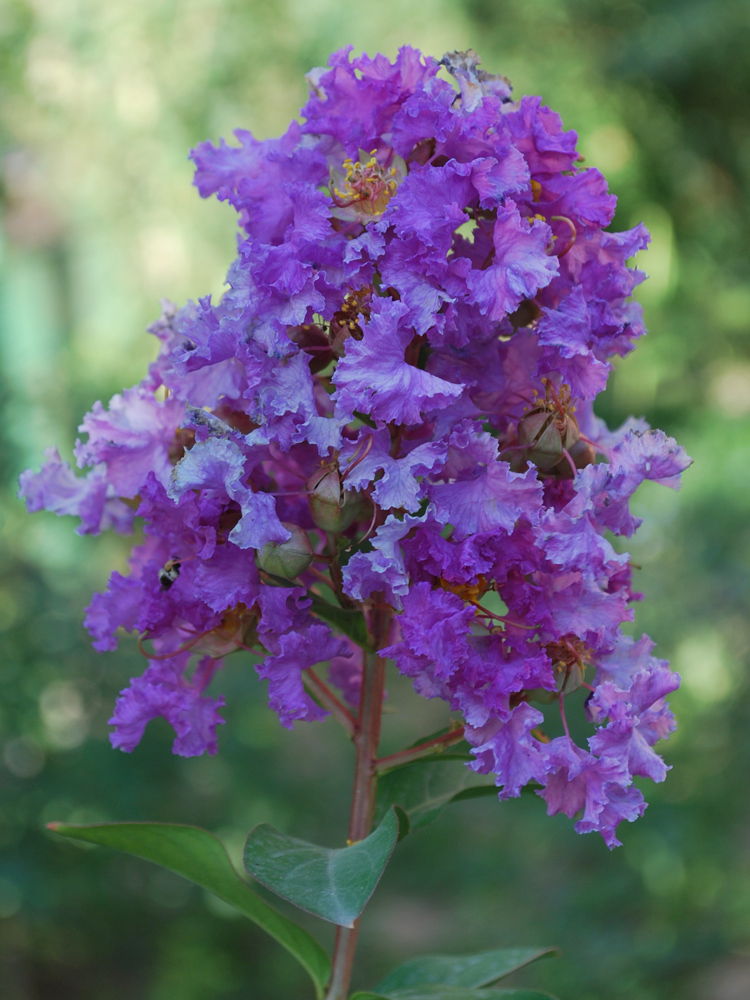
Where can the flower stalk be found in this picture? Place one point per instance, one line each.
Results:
(366, 742)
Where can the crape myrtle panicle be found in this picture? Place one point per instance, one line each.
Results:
(394, 398)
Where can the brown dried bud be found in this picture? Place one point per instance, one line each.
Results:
(569, 656)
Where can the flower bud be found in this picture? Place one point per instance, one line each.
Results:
(547, 432)
(582, 453)
(289, 558)
(333, 508)
(539, 432)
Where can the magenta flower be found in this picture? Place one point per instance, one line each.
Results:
(391, 410)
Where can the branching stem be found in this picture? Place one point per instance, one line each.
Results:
(427, 749)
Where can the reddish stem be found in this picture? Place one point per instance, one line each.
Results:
(328, 700)
(421, 750)
(320, 576)
(561, 701)
(366, 740)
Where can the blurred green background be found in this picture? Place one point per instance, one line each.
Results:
(99, 105)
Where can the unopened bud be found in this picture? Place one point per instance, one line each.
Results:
(547, 436)
(582, 453)
(332, 507)
(289, 558)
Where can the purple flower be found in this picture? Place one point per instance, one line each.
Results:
(375, 378)
(291, 653)
(164, 690)
(518, 265)
(394, 399)
(507, 749)
(132, 439)
(91, 498)
(219, 465)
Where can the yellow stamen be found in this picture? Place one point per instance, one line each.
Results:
(366, 185)
(470, 592)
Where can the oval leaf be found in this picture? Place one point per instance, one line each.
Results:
(199, 856)
(455, 993)
(435, 992)
(424, 787)
(461, 970)
(334, 884)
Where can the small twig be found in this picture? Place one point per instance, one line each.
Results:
(502, 618)
(328, 699)
(572, 464)
(561, 700)
(427, 749)
(320, 576)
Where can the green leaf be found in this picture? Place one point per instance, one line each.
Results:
(365, 419)
(424, 787)
(200, 857)
(351, 622)
(334, 884)
(461, 970)
(436, 992)
(476, 792)
(404, 826)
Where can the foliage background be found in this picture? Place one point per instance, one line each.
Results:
(100, 103)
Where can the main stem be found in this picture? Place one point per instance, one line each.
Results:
(366, 740)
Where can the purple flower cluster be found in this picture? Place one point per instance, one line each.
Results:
(391, 407)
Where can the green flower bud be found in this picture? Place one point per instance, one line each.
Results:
(332, 507)
(539, 432)
(289, 558)
(547, 436)
(549, 430)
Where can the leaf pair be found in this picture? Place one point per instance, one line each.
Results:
(332, 884)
